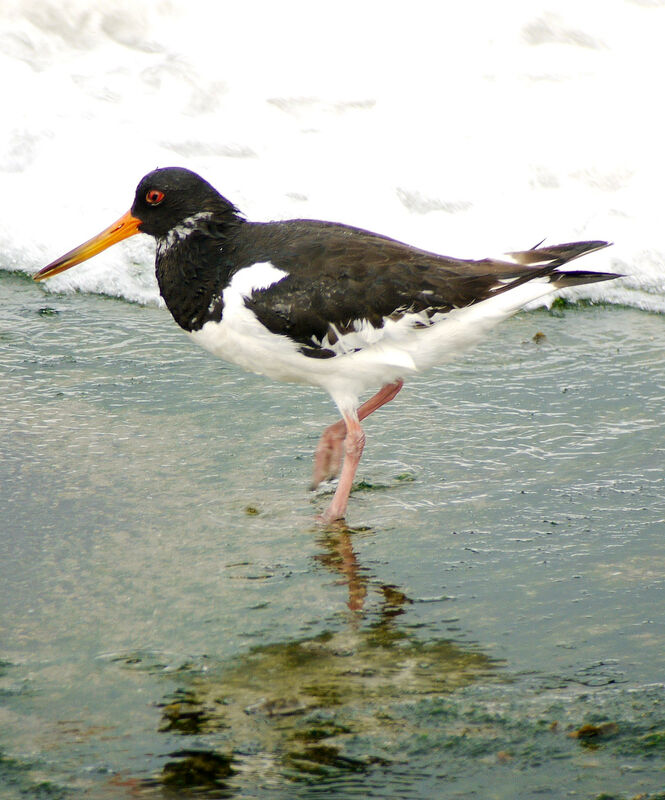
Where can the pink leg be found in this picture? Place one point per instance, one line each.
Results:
(329, 451)
(353, 449)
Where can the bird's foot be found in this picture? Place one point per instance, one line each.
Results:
(329, 453)
(353, 448)
(331, 518)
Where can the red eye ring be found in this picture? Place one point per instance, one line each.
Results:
(154, 197)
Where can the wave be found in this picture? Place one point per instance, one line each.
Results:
(465, 135)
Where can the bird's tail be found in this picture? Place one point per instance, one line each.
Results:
(556, 256)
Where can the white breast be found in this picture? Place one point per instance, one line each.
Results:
(250, 279)
(241, 339)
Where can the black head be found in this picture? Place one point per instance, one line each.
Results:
(168, 196)
(164, 199)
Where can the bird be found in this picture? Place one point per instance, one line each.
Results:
(323, 303)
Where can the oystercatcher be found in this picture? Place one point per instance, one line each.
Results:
(322, 303)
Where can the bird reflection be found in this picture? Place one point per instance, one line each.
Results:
(339, 556)
(315, 708)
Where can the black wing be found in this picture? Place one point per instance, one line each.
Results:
(338, 275)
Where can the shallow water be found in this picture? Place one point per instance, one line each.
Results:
(174, 623)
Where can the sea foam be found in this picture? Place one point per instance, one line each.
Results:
(471, 129)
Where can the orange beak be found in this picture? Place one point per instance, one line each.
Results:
(126, 226)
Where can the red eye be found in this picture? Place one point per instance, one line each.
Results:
(154, 197)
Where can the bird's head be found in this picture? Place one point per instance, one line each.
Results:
(165, 198)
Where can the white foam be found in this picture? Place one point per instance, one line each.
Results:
(465, 133)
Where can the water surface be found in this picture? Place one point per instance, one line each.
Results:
(173, 623)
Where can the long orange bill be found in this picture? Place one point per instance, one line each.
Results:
(126, 226)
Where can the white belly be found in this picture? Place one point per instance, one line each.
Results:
(396, 350)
